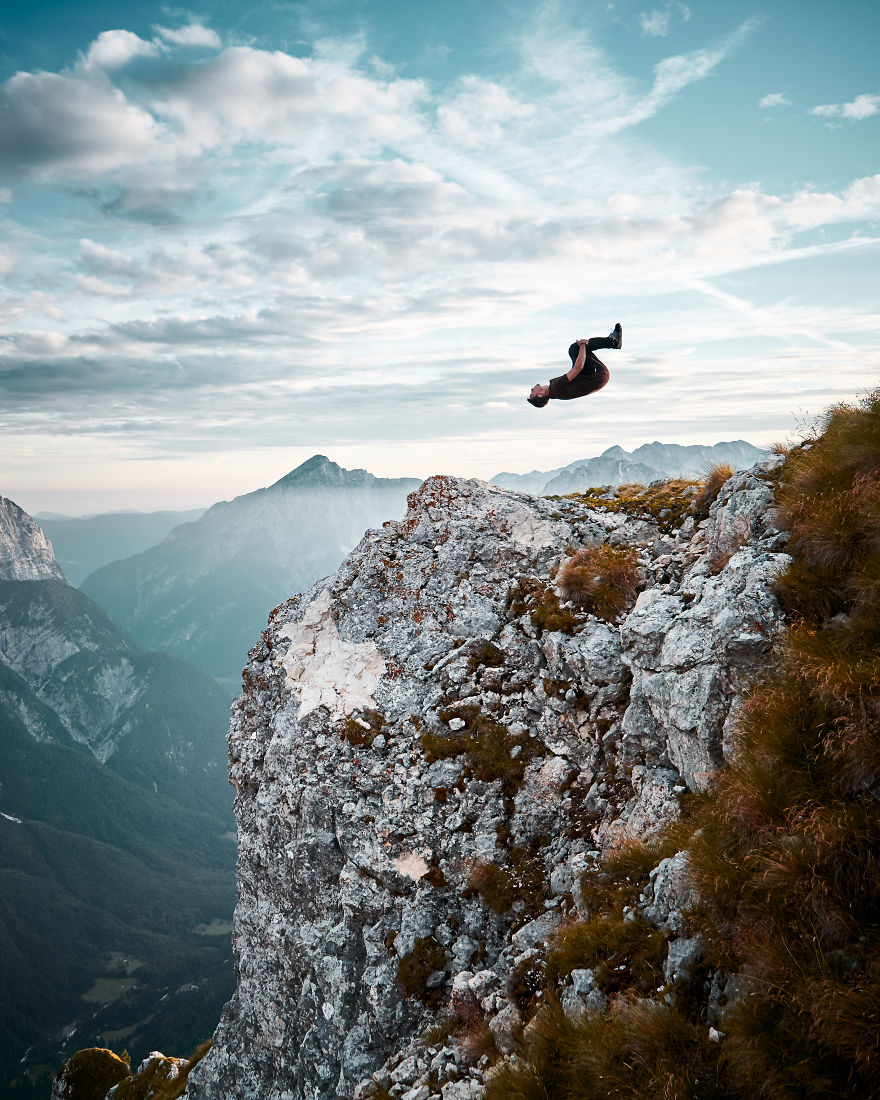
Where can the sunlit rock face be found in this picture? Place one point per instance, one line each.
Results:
(413, 717)
(25, 552)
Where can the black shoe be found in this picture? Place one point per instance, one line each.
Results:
(616, 334)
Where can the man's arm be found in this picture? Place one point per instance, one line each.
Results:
(578, 364)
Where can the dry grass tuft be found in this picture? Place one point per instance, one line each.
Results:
(603, 580)
(710, 488)
(640, 1049)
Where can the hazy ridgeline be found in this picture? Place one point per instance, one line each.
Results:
(205, 592)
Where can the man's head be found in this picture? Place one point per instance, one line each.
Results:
(539, 396)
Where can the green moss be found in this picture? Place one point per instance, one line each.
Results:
(446, 1027)
(362, 729)
(488, 744)
(542, 604)
(520, 879)
(525, 985)
(442, 746)
(484, 653)
(624, 955)
(414, 970)
(668, 504)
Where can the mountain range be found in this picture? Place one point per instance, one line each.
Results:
(116, 829)
(203, 594)
(647, 463)
(85, 543)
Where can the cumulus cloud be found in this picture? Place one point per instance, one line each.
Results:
(67, 125)
(774, 99)
(8, 260)
(863, 106)
(656, 22)
(113, 49)
(250, 95)
(101, 260)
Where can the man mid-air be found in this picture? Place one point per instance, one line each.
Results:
(587, 374)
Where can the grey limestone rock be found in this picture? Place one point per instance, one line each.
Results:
(362, 811)
(25, 552)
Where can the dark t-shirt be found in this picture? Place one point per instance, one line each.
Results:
(593, 377)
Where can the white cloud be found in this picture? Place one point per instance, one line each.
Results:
(113, 49)
(194, 34)
(671, 76)
(70, 125)
(656, 23)
(100, 260)
(478, 112)
(774, 99)
(250, 95)
(8, 260)
(863, 106)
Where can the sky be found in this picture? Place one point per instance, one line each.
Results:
(237, 235)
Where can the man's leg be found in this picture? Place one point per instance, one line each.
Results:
(613, 340)
(594, 363)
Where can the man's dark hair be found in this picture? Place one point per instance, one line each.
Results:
(538, 402)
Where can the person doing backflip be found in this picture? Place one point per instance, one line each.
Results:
(587, 374)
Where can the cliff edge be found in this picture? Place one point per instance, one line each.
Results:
(434, 743)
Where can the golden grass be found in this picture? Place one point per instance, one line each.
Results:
(602, 580)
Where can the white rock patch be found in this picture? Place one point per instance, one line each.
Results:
(326, 671)
(411, 865)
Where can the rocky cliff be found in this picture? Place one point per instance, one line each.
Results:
(432, 747)
(25, 552)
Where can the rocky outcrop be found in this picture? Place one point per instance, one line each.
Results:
(431, 749)
(25, 552)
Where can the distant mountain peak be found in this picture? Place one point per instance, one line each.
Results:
(320, 471)
(25, 552)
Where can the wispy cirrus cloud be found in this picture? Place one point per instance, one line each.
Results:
(193, 34)
(657, 22)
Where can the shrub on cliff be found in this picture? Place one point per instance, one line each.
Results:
(89, 1075)
(787, 856)
(603, 580)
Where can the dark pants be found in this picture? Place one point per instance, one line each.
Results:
(592, 363)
